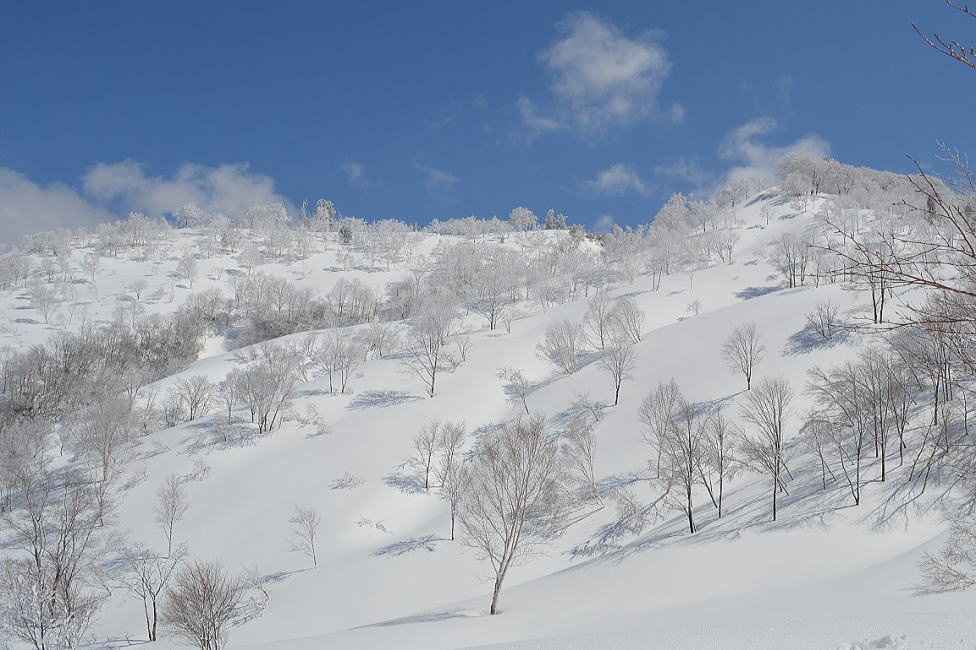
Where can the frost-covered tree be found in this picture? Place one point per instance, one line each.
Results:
(521, 219)
(617, 361)
(516, 387)
(50, 588)
(626, 320)
(187, 267)
(562, 344)
(451, 471)
(304, 533)
(171, 506)
(45, 300)
(381, 339)
(339, 356)
(598, 323)
(266, 387)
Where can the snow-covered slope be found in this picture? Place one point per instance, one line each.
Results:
(826, 574)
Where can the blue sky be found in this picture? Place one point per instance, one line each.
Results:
(421, 109)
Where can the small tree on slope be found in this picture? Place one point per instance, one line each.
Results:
(513, 497)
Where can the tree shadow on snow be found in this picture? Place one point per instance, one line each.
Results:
(405, 483)
(807, 505)
(381, 399)
(807, 340)
(425, 543)
(431, 617)
(755, 292)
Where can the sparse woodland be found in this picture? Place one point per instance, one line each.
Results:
(152, 350)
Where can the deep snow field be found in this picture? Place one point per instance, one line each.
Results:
(827, 574)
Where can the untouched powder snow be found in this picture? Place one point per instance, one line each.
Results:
(827, 574)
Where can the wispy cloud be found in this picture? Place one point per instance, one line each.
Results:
(618, 179)
(442, 121)
(684, 169)
(601, 77)
(535, 123)
(437, 179)
(355, 173)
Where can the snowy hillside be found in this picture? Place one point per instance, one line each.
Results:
(622, 569)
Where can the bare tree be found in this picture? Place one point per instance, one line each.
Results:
(227, 394)
(425, 446)
(450, 440)
(617, 361)
(305, 528)
(656, 414)
(454, 485)
(266, 387)
(104, 434)
(763, 447)
(196, 394)
(953, 566)
(580, 452)
(513, 498)
(51, 593)
(743, 350)
(682, 452)
(171, 506)
(720, 459)
(146, 575)
(425, 340)
(817, 436)
(201, 604)
(965, 54)
(823, 318)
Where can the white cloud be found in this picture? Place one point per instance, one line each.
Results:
(27, 207)
(753, 158)
(618, 179)
(436, 178)
(229, 189)
(355, 173)
(604, 223)
(603, 78)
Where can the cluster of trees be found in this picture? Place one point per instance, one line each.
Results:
(267, 306)
(610, 327)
